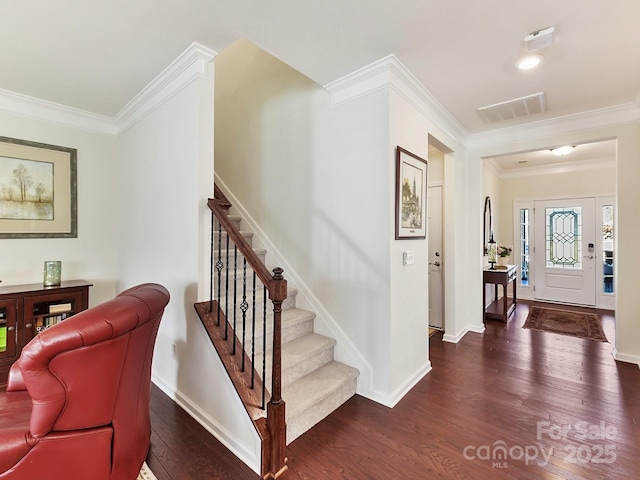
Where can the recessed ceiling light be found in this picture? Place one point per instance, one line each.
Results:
(529, 62)
(560, 151)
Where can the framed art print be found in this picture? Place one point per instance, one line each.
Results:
(38, 190)
(411, 195)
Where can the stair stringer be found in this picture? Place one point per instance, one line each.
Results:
(345, 351)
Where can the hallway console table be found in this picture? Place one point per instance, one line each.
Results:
(499, 309)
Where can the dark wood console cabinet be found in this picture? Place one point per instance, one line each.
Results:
(500, 309)
(25, 310)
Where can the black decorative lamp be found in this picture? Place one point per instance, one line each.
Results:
(492, 251)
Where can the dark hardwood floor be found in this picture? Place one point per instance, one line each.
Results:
(560, 407)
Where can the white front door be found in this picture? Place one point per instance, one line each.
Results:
(436, 297)
(565, 251)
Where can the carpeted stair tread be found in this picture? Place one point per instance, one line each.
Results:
(258, 251)
(316, 395)
(291, 319)
(296, 323)
(244, 233)
(298, 350)
(301, 356)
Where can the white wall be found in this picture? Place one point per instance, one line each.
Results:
(314, 179)
(319, 181)
(166, 163)
(591, 182)
(410, 129)
(91, 256)
(436, 168)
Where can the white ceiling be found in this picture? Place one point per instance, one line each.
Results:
(583, 156)
(97, 55)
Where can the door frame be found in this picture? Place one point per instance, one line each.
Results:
(578, 284)
(526, 291)
(442, 254)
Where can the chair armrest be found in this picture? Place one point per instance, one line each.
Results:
(15, 383)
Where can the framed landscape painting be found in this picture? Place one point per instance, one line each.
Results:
(38, 190)
(411, 195)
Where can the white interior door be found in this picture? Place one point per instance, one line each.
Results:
(565, 253)
(436, 297)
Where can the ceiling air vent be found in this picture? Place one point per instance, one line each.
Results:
(516, 108)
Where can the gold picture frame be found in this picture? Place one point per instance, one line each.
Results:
(38, 190)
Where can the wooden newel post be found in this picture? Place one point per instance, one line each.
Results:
(276, 420)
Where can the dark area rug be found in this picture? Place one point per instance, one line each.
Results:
(565, 322)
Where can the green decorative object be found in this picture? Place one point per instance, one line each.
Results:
(52, 273)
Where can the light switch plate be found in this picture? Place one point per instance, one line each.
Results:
(408, 257)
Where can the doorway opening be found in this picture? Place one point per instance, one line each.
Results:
(435, 214)
(559, 212)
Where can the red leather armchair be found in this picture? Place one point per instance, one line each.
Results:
(77, 399)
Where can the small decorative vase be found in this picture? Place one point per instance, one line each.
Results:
(52, 273)
(502, 261)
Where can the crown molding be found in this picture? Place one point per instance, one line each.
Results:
(390, 73)
(579, 122)
(31, 107)
(191, 64)
(565, 167)
(491, 165)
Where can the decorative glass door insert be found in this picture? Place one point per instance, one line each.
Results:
(563, 237)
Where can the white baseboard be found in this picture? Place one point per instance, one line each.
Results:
(455, 338)
(391, 400)
(476, 328)
(251, 459)
(625, 357)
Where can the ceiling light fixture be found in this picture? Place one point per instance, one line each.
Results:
(530, 61)
(560, 151)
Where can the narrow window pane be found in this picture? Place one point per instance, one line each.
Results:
(524, 246)
(607, 244)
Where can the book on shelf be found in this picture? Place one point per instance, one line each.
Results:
(49, 321)
(60, 307)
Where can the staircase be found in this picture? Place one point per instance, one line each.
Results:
(314, 384)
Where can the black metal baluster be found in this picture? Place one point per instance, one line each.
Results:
(219, 266)
(244, 306)
(235, 295)
(213, 229)
(264, 344)
(226, 296)
(253, 332)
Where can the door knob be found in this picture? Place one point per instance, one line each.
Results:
(437, 264)
(11, 328)
(590, 257)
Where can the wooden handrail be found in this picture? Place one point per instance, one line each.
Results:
(245, 249)
(221, 197)
(274, 454)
